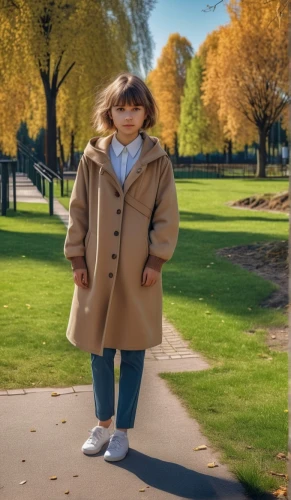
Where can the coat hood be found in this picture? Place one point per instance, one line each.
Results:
(97, 149)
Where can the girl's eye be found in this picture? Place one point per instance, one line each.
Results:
(120, 109)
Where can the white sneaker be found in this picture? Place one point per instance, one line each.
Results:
(98, 437)
(117, 448)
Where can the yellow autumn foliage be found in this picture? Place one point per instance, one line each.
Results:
(167, 82)
(246, 77)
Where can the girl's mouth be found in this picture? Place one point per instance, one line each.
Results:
(129, 125)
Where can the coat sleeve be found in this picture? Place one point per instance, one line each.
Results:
(165, 220)
(74, 247)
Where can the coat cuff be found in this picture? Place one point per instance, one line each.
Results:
(78, 262)
(155, 262)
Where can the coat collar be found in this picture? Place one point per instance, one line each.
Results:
(133, 147)
(97, 150)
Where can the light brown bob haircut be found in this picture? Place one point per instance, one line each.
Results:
(126, 89)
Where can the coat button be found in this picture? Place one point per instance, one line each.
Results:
(116, 233)
(110, 275)
(118, 211)
(114, 256)
(117, 194)
(139, 170)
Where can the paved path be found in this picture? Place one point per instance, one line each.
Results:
(161, 459)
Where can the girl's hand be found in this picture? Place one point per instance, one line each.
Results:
(81, 278)
(149, 276)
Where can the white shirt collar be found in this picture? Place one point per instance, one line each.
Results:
(133, 147)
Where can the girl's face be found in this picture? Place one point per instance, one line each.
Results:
(128, 119)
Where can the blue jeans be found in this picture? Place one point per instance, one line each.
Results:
(131, 369)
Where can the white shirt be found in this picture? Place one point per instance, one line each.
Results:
(123, 157)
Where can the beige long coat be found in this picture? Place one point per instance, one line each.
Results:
(115, 232)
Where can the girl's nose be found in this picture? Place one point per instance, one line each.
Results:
(128, 117)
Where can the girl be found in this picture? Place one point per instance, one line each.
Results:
(123, 226)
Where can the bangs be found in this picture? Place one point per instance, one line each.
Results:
(125, 90)
(130, 96)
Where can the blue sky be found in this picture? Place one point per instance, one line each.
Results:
(184, 17)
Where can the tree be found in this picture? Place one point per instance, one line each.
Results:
(193, 122)
(200, 128)
(252, 71)
(51, 40)
(167, 82)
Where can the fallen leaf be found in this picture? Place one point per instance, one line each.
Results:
(5, 306)
(211, 465)
(201, 298)
(44, 342)
(274, 337)
(67, 492)
(63, 421)
(281, 456)
(142, 489)
(53, 478)
(23, 460)
(75, 475)
(286, 411)
(207, 312)
(249, 447)
(54, 394)
(280, 474)
(201, 447)
(249, 308)
(281, 492)
(23, 482)
(32, 430)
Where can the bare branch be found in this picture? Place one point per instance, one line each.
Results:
(211, 7)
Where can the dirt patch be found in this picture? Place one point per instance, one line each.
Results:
(270, 261)
(279, 202)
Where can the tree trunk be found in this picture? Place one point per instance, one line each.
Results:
(261, 159)
(51, 130)
(224, 154)
(176, 153)
(72, 151)
(62, 157)
(230, 151)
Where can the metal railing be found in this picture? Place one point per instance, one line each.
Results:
(226, 170)
(38, 173)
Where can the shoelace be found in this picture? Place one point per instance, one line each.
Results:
(114, 442)
(94, 435)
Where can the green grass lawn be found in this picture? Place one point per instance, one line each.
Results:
(241, 400)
